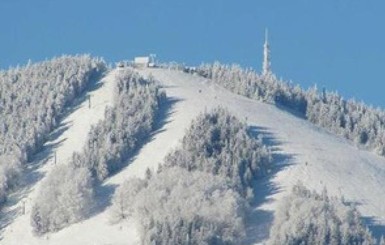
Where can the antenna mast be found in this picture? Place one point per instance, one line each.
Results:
(266, 66)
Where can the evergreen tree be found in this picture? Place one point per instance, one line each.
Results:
(305, 217)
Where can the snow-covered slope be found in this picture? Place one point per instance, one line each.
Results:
(68, 138)
(303, 152)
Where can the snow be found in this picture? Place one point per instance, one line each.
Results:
(302, 152)
(70, 137)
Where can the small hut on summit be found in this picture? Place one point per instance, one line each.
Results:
(144, 61)
(141, 61)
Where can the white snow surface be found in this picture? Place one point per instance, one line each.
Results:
(302, 152)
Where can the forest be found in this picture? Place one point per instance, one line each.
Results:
(126, 126)
(200, 194)
(353, 120)
(204, 189)
(66, 195)
(32, 100)
(329, 220)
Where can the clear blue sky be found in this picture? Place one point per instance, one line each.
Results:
(338, 44)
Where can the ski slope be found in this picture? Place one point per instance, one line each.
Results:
(302, 152)
(68, 138)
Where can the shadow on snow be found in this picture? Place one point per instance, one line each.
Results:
(259, 221)
(31, 173)
(378, 230)
(104, 193)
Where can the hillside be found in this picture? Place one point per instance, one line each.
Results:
(302, 152)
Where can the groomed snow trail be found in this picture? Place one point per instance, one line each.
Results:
(72, 135)
(306, 153)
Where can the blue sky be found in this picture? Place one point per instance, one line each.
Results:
(338, 44)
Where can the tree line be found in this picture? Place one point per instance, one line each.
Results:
(32, 100)
(67, 194)
(200, 194)
(351, 119)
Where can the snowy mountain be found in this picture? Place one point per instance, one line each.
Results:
(301, 151)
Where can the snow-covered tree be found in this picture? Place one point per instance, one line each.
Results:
(199, 195)
(218, 143)
(382, 241)
(111, 142)
(353, 120)
(177, 206)
(124, 199)
(33, 99)
(305, 217)
(126, 125)
(65, 197)
(10, 170)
